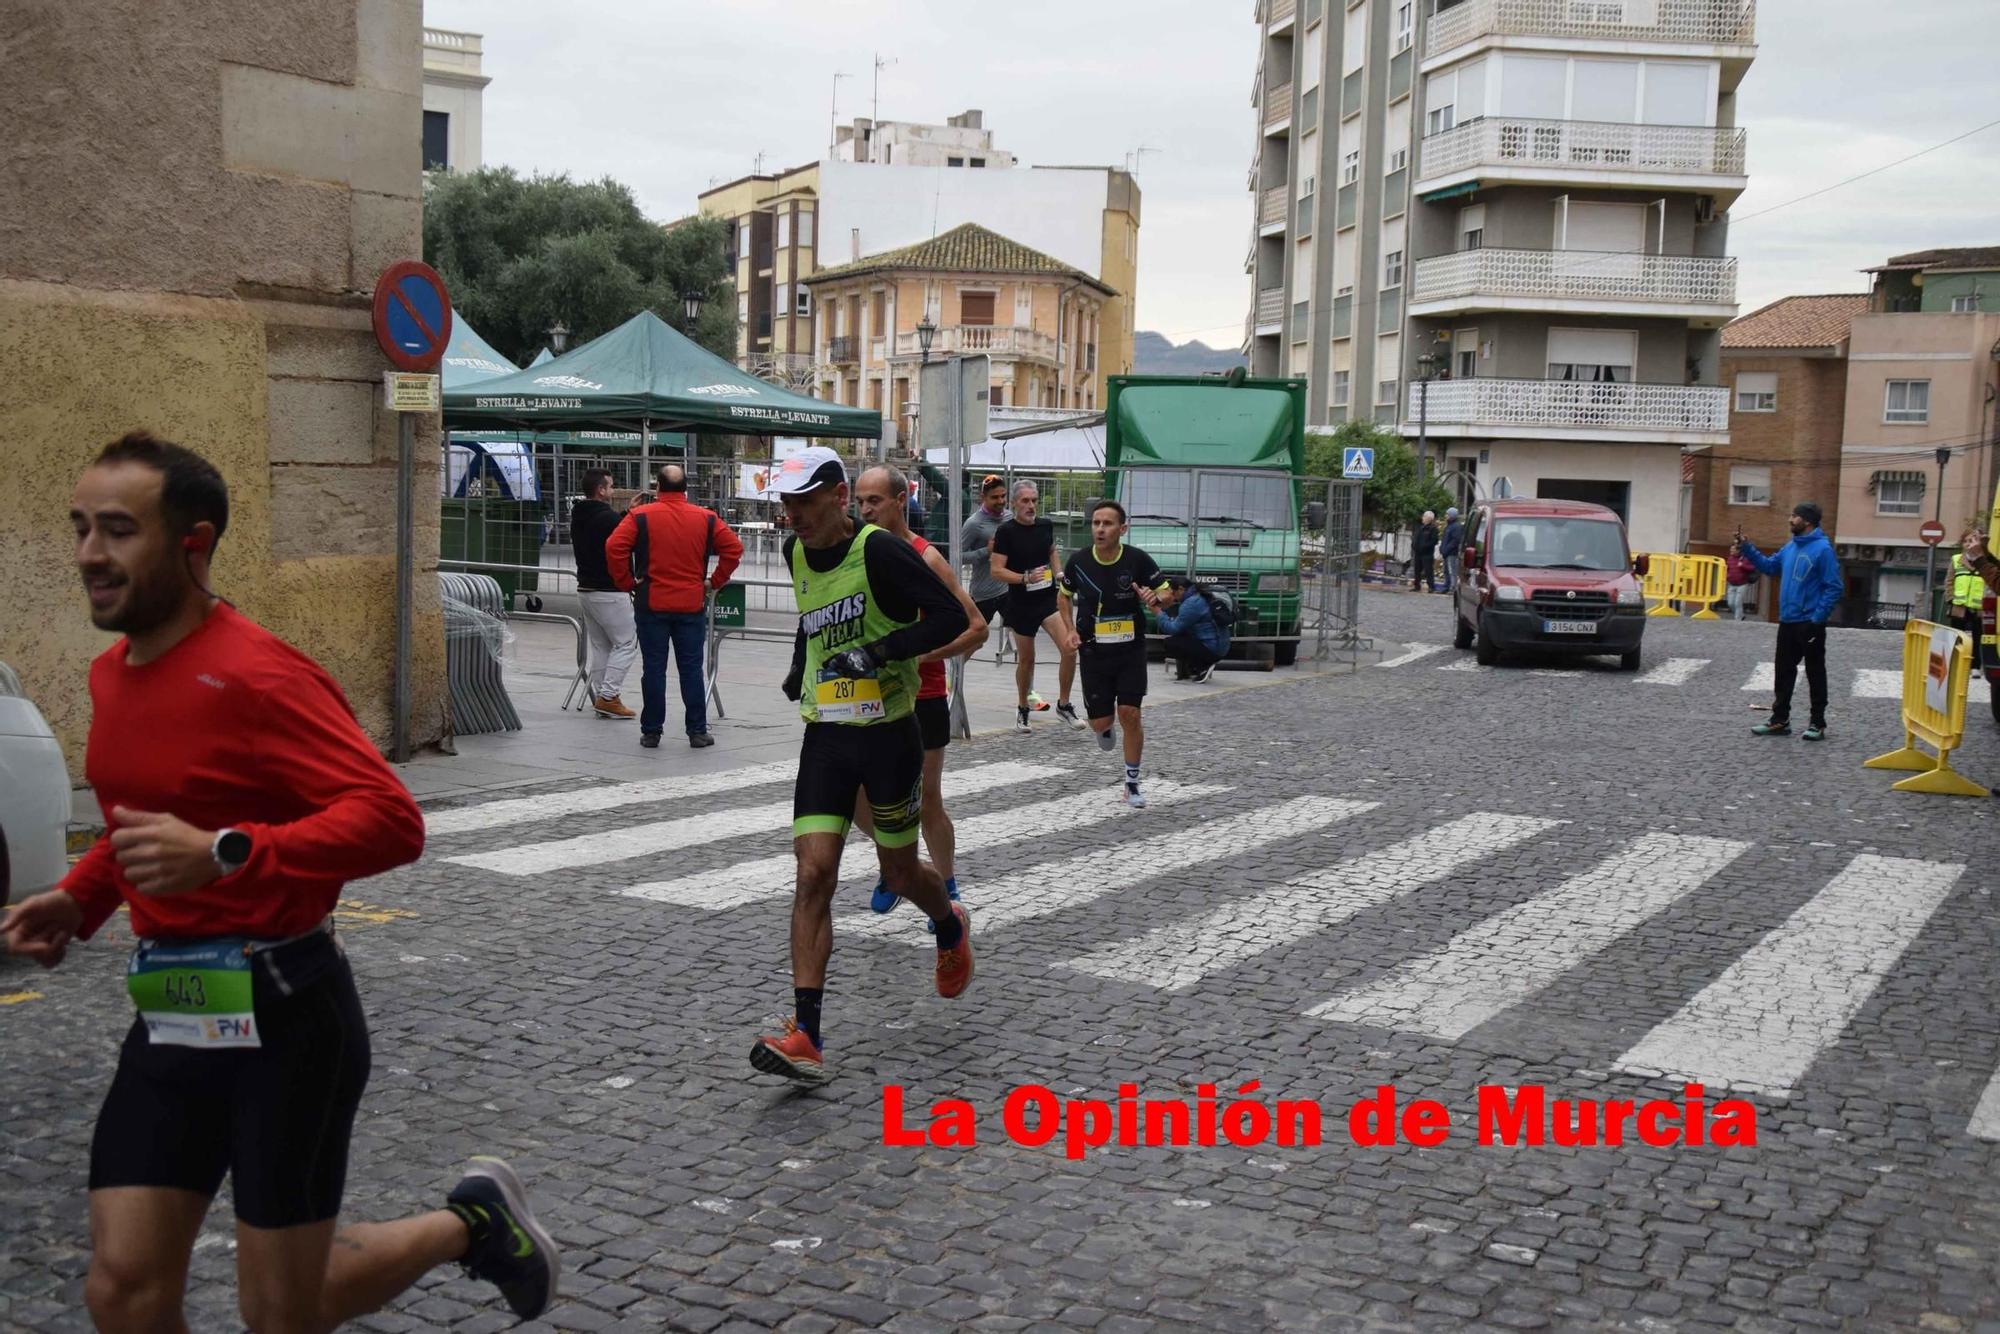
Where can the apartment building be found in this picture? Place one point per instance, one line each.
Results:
(784, 226)
(1785, 366)
(453, 91)
(1920, 439)
(1038, 318)
(1501, 225)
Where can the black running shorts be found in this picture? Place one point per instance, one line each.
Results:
(990, 608)
(934, 722)
(275, 1118)
(1112, 676)
(839, 761)
(1025, 612)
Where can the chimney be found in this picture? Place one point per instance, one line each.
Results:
(855, 246)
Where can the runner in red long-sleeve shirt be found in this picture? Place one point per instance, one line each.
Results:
(239, 796)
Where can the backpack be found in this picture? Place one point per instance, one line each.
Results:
(1221, 605)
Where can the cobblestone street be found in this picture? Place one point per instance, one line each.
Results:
(1424, 874)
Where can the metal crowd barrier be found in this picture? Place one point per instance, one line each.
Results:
(473, 607)
(578, 694)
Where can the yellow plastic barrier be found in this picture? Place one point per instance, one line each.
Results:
(1937, 666)
(1702, 579)
(1661, 582)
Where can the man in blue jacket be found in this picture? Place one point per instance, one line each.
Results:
(1194, 640)
(1810, 587)
(1449, 546)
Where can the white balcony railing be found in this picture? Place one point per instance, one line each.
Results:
(1271, 206)
(1577, 275)
(994, 339)
(1582, 145)
(1569, 405)
(1271, 305)
(1715, 22)
(1277, 103)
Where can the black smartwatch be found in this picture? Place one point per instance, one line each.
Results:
(231, 850)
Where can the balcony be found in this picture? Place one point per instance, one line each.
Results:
(1496, 150)
(1687, 23)
(844, 350)
(1278, 14)
(1270, 310)
(1278, 108)
(1576, 281)
(998, 340)
(1271, 210)
(1486, 408)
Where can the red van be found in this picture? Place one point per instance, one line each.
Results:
(1548, 576)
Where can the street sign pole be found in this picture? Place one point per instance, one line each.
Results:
(406, 461)
(961, 717)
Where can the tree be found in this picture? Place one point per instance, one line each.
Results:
(1393, 499)
(521, 255)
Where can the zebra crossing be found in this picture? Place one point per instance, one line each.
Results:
(1757, 1026)
(1862, 682)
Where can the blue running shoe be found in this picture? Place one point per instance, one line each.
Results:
(883, 899)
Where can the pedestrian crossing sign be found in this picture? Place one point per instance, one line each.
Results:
(1358, 464)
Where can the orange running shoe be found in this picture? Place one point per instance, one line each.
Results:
(794, 1056)
(954, 966)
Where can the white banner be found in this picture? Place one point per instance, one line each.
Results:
(754, 475)
(1937, 676)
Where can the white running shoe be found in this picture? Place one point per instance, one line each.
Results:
(1134, 797)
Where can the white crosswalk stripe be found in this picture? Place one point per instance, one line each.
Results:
(1416, 653)
(764, 877)
(1183, 953)
(1516, 953)
(1764, 676)
(1759, 1026)
(552, 805)
(1875, 683)
(1672, 672)
(613, 845)
(1985, 1123)
(1050, 887)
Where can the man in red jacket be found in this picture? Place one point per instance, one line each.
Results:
(669, 544)
(240, 795)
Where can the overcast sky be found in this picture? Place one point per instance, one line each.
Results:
(670, 97)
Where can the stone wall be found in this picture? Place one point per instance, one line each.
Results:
(195, 201)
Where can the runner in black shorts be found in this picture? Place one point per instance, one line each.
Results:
(240, 796)
(1024, 558)
(882, 496)
(1112, 586)
(869, 607)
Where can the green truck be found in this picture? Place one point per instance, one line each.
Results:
(1209, 469)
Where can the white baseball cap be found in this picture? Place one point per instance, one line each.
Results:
(807, 470)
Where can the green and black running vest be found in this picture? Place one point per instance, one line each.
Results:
(838, 611)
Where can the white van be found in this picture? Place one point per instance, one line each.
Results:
(34, 796)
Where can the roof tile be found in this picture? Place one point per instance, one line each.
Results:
(967, 248)
(1797, 321)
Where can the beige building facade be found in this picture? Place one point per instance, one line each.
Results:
(454, 92)
(195, 257)
(1037, 318)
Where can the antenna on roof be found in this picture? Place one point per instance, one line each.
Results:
(1133, 155)
(875, 105)
(833, 113)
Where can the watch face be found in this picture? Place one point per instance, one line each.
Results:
(235, 847)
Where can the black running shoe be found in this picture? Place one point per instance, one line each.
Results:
(509, 1249)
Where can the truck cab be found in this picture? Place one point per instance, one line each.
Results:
(1548, 576)
(1208, 469)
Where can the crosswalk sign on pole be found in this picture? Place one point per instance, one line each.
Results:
(1358, 463)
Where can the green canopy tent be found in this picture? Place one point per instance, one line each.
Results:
(646, 374)
(542, 358)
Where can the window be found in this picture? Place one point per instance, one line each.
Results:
(1592, 356)
(1899, 495)
(1472, 227)
(979, 162)
(1398, 160)
(1403, 21)
(437, 141)
(782, 303)
(742, 307)
(743, 239)
(1965, 305)
(1385, 392)
(954, 162)
(1907, 401)
(805, 301)
(878, 312)
(1392, 269)
(975, 307)
(1465, 353)
(784, 230)
(1350, 167)
(1749, 486)
(805, 229)
(1756, 391)
(1439, 119)
(1340, 382)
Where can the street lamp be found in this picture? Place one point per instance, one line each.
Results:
(692, 300)
(1930, 548)
(558, 333)
(1427, 365)
(926, 331)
